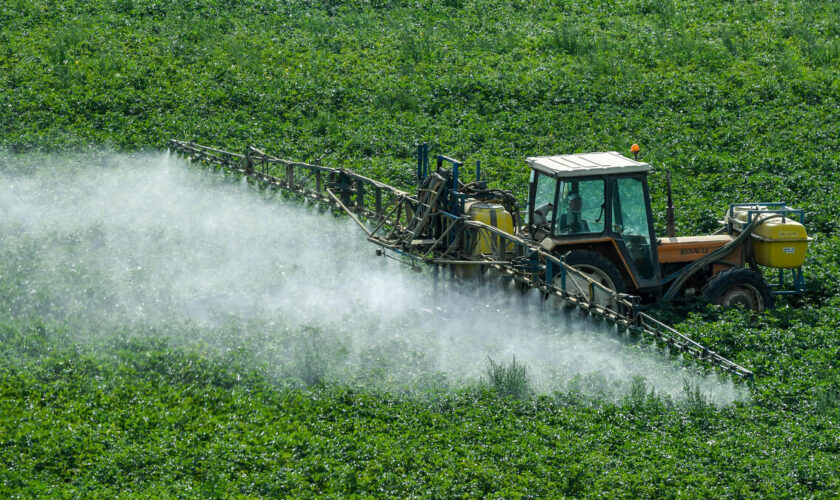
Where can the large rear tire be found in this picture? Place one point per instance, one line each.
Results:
(597, 268)
(739, 286)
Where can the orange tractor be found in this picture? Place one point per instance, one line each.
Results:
(594, 210)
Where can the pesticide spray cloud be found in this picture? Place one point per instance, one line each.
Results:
(111, 241)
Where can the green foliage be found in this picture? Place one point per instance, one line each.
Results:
(509, 380)
(739, 100)
(145, 417)
(827, 401)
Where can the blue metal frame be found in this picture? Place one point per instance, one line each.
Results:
(550, 273)
(455, 200)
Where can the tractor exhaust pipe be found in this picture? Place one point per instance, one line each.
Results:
(669, 212)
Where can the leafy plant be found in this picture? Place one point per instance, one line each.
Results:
(509, 380)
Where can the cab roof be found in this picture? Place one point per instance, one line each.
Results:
(584, 164)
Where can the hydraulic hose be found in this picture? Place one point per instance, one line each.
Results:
(699, 264)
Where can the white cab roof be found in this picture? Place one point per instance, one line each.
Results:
(582, 164)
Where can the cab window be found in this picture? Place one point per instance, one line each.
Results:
(581, 207)
(630, 220)
(543, 200)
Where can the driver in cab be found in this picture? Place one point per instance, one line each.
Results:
(571, 221)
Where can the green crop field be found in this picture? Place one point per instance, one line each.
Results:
(740, 100)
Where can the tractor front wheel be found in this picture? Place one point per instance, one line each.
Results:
(739, 286)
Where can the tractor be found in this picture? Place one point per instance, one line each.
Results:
(594, 211)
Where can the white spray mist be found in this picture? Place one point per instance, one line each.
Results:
(112, 240)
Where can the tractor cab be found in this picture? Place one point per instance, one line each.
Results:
(597, 206)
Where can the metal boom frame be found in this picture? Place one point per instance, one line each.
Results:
(431, 227)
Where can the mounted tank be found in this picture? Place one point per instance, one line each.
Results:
(779, 240)
(492, 214)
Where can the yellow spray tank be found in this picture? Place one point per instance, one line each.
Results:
(780, 241)
(486, 242)
(494, 215)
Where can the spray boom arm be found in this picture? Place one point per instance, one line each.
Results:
(433, 227)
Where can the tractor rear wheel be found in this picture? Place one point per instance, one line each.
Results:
(739, 286)
(596, 267)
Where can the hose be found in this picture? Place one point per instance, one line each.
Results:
(699, 264)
